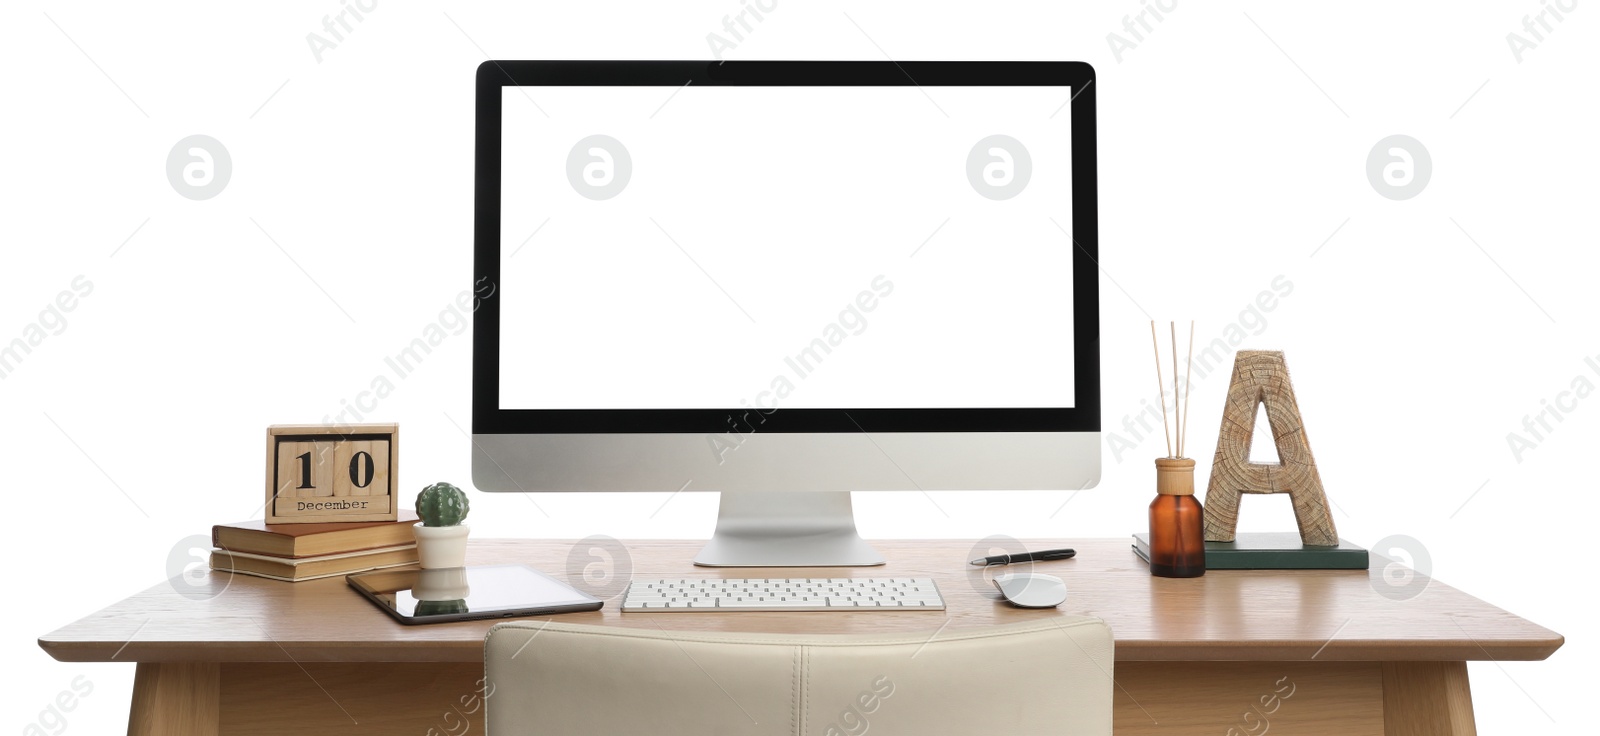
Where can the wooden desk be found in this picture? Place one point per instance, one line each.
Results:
(1193, 656)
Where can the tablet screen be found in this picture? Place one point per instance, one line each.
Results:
(459, 593)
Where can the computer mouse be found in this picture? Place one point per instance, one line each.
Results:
(1031, 589)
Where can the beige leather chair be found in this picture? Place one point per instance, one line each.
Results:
(1050, 676)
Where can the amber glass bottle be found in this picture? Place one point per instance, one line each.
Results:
(1177, 544)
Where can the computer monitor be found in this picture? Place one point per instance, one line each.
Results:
(785, 281)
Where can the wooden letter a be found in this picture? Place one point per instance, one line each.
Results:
(1262, 377)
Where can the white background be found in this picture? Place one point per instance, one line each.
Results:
(752, 220)
(1233, 145)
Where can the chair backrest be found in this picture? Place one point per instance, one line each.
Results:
(1051, 676)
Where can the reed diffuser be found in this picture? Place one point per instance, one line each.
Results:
(1177, 544)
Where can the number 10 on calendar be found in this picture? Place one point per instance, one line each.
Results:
(319, 473)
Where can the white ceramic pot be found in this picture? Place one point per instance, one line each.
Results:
(441, 546)
(441, 584)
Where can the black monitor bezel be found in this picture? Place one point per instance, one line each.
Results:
(489, 418)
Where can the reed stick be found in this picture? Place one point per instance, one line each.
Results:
(1177, 418)
(1188, 383)
(1160, 389)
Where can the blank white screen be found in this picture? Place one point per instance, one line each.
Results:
(799, 247)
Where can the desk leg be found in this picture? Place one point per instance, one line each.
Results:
(176, 699)
(1427, 699)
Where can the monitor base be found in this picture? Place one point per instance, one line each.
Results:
(787, 529)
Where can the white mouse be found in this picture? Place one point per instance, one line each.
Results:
(1031, 589)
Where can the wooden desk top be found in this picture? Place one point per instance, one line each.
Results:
(1332, 615)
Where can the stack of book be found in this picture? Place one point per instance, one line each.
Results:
(295, 552)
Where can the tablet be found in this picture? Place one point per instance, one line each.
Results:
(467, 593)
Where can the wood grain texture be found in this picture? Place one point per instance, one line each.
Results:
(331, 449)
(1174, 476)
(1248, 698)
(1262, 377)
(1276, 615)
(352, 699)
(1427, 699)
(175, 699)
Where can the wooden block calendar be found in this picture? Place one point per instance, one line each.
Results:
(318, 473)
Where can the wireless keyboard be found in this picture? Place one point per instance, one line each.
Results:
(783, 594)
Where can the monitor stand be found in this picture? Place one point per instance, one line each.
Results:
(787, 529)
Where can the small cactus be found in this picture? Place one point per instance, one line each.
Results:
(438, 608)
(442, 504)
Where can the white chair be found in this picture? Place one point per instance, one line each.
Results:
(1049, 676)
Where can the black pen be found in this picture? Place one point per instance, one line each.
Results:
(1049, 554)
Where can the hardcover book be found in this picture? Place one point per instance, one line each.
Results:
(311, 568)
(311, 540)
(1270, 551)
